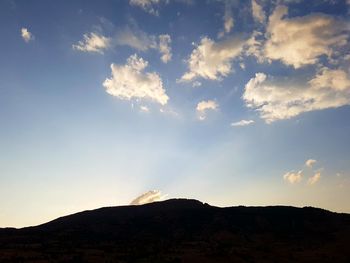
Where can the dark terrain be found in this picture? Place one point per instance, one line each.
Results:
(180, 230)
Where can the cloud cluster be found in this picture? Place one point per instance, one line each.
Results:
(277, 100)
(93, 42)
(130, 81)
(242, 123)
(212, 60)
(128, 36)
(296, 177)
(148, 197)
(26, 35)
(300, 41)
(204, 106)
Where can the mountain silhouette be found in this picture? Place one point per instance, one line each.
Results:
(182, 230)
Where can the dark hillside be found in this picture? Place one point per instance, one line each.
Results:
(180, 230)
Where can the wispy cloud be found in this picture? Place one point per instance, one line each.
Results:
(26, 35)
(93, 42)
(258, 12)
(227, 18)
(165, 47)
(130, 81)
(150, 6)
(136, 38)
(242, 123)
(314, 179)
(148, 197)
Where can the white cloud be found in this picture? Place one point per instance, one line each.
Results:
(144, 108)
(150, 6)
(300, 41)
(212, 60)
(314, 179)
(136, 39)
(293, 177)
(165, 48)
(148, 197)
(170, 112)
(204, 106)
(276, 100)
(26, 35)
(258, 12)
(310, 163)
(242, 123)
(93, 42)
(130, 81)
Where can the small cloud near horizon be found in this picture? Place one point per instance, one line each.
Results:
(314, 179)
(148, 197)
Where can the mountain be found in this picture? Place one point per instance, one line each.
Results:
(181, 230)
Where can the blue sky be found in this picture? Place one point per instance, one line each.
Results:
(229, 102)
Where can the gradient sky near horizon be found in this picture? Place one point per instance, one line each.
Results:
(228, 102)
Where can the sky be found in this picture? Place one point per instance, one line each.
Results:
(228, 102)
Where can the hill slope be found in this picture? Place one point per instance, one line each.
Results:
(180, 230)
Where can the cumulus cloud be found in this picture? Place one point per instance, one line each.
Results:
(242, 123)
(130, 81)
(204, 106)
(148, 197)
(310, 163)
(212, 60)
(258, 12)
(314, 179)
(93, 42)
(26, 35)
(300, 41)
(293, 177)
(277, 100)
(150, 6)
(165, 48)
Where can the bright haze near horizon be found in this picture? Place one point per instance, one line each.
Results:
(228, 102)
